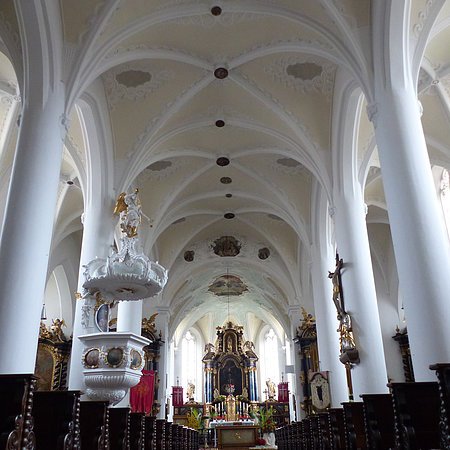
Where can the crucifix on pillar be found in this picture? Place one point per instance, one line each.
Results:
(349, 353)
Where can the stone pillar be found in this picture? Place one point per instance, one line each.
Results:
(27, 231)
(129, 317)
(208, 383)
(369, 376)
(162, 324)
(327, 324)
(98, 230)
(420, 241)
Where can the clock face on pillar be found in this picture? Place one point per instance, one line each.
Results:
(320, 390)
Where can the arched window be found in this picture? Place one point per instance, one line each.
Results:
(191, 364)
(270, 364)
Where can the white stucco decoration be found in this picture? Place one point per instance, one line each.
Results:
(112, 364)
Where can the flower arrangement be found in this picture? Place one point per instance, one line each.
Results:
(265, 419)
(195, 419)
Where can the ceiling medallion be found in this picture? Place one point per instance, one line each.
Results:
(189, 255)
(220, 123)
(229, 216)
(216, 10)
(227, 285)
(221, 73)
(226, 246)
(226, 180)
(228, 195)
(263, 253)
(222, 161)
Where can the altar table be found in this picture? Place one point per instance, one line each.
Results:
(237, 437)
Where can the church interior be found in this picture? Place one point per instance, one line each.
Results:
(224, 224)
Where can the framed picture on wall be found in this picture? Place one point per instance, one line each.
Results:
(102, 317)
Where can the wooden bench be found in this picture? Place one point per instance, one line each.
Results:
(150, 433)
(137, 431)
(324, 429)
(416, 413)
(443, 377)
(337, 428)
(16, 423)
(161, 434)
(379, 421)
(355, 435)
(57, 420)
(94, 425)
(119, 428)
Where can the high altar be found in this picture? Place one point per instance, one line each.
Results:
(230, 368)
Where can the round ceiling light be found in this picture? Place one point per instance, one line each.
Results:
(216, 10)
(226, 180)
(221, 73)
(220, 123)
(229, 215)
(228, 195)
(222, 161)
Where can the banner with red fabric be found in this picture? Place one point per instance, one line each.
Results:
(283, 392)
(177, 395)
(142, 395)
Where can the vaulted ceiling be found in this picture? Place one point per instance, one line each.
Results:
(222, 114)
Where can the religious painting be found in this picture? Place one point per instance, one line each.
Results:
(102, 318)
(227, 285)
(230, 378)
(44, 369)
(226, 246)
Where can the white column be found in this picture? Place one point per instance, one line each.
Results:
(294, 313)
(27, 231)
(129, 317)
(420, 242)
(162, 324)
(369, 376)
(98, 233)
(327, 324)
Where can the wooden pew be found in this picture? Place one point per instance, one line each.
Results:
(57, 420)
(306, 434)
(150, 433)
(315, 433)
(119, 428)
(161, 435)
(337, 428)
(94, 425)
(324, 429)
(168, 437)
(16, 422)
(379, 421)
(355, 435)
(416, 413)
(137, 431)
(443, 377)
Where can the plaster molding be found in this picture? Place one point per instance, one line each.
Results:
(321, 84)
(372, 113)
(117, 92)
(422, 17)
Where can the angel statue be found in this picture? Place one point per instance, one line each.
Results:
(128, 207)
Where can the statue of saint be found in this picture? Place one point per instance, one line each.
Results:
(346, 340)
(216, 393)
(271, 389)
(229, 344)
(128, 207)
(190, 391)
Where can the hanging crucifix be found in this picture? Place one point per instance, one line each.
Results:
(349, 353)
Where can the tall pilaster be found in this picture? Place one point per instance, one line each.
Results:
(27, 230)
(369, 376)
(327, 324)
(162, 324)
(98, 231)
(420, 242)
